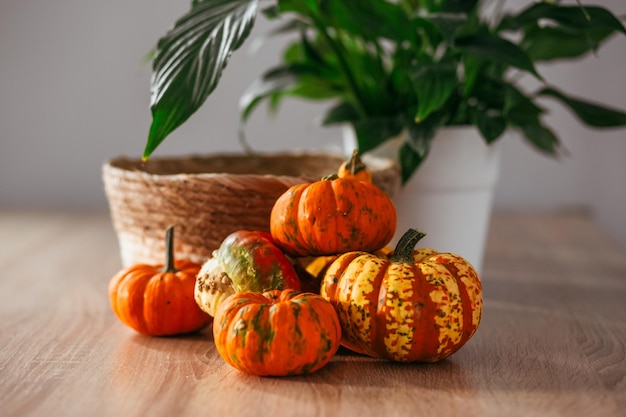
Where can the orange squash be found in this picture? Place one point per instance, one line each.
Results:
(416, 305)
(158, 300)
(331, 216)
(277, 333)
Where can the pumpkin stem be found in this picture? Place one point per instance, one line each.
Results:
(355, 163)
(169, 251)
(404, 249)
(330, 177)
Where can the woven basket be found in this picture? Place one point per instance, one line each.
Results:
(206, 198)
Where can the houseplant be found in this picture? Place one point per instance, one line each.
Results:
(388, 66)
(411, 67)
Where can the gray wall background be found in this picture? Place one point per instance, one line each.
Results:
(74, 91)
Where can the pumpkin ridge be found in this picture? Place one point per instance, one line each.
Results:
(133, 288)
(297, 237)
(264, 333)
(344, 196)
(324, 222)
(162, 293)
(377, 333)
(399, 317)
(420, 306)
(367, 280)
(348, 265)
(447, 315)
(325, 348)
(470, 323)
(247, 338)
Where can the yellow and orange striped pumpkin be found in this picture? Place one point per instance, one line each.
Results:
(331, 216)
(415, 305)
(276, 333)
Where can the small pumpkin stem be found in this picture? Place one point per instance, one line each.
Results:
(169, 251)
(330, 177)
(406, 245)
(355, 163)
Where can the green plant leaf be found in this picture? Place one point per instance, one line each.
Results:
(491, 124)
(364, 75)
(433, 86)
(575, 17)
(518, 108)
(300, 80)
(410, 161)
(520, 111)
(368, 19)
(417, 145)
(271, 12)
(589, 113)
(373, 132)
(301, 7)
(340, 113)
(190, 60)
(318, 58)
(550, 43)
(446, 24)
(273, 81)
(472, 68)
(494, 48)
(541, 137)
(451, 6)
(287, 27)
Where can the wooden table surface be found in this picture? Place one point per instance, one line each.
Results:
(552, 341)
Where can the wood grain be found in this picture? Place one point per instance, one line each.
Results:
(552, 341)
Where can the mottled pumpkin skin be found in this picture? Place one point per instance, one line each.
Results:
(332, 216)
(276, 333)
(245, 261)
(423, 310)
(254, 263)
(157, 303)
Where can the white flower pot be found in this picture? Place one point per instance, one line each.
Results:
(450, 196)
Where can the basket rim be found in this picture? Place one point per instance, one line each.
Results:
(132, 166)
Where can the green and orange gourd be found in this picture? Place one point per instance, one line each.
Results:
(245, 261)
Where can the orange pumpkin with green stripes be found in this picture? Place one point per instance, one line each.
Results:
(331, 216)
(415, 305)
(276, 333)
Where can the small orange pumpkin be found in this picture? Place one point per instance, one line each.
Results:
(354, 168)
(158, 300)
(331, 216)
(416, 305)
(277, 333)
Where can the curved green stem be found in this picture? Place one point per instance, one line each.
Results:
(406, 245)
